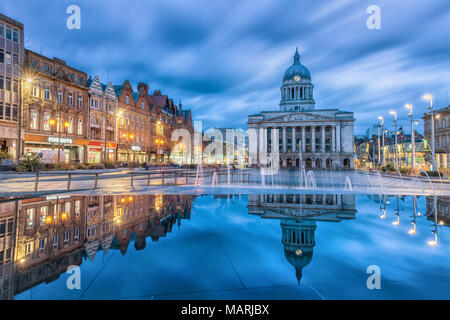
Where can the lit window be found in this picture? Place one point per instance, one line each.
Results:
(43, 214)
(34, 122)
(30, 217)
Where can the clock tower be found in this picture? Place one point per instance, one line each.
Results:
(297, 89)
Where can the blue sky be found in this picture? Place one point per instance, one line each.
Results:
(225, 59)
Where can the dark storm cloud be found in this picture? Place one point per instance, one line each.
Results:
(225, 59)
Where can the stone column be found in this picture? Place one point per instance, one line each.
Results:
(323, 139)
(338, 138)
(284, 139)
(313, 139)
(303, 139)
(333, 139)
(293, 140)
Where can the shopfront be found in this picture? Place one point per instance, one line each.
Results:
(73, 148)
(96, 149)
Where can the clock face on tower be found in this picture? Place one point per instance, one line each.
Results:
(297, 78)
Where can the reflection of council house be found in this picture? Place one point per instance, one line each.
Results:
(319, 138)
(298, 214)
(442, 212)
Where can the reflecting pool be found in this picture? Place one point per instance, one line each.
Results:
(258, 246)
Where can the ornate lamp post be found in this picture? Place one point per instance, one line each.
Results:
(430, 107)
(413, 138)
(382, 132)
(396, 133)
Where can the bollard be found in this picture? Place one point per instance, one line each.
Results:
(148, 179)
(96, 181)
(69, 179)
(187, 177)
(162, 178)
(36, 182)
(175, 175)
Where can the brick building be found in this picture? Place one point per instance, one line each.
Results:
(55, 108)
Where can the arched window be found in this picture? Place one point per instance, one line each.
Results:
(127, 100)
(292, 93)
(301, 93)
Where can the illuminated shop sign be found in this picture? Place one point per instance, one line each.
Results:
(136, 148)
(60, 140)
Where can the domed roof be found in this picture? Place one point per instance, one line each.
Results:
(297, 69)
(299, 259)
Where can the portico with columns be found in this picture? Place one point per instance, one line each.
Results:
(308, 137)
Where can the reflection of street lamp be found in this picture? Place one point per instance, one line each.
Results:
(396, 149)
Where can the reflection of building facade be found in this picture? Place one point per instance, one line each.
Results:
(443, 210)
(324, 137)
(298, 214)
(55, 232)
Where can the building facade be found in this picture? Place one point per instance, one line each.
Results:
(308, 137)
(102, 121)
(11, 61)
(441, 136)
(55, 108)
(134, 124)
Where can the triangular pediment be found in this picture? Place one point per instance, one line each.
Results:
(298, 116)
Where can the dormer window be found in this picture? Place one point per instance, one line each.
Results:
(127, 100)
(142, 105)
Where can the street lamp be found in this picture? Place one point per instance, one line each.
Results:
(413, 138)
(396, 147)
(430, 107)
(382, 132)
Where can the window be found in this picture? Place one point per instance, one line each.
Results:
(55, 240)
(66, 236)
(28, 248)
(80, 101)
(2, 56)
(43, 214)
(142, 105)
(76, 233)
(67, 207)
(8, 33)
(47, 68)
(8, 58)
(30, 217)
(7, 111)
(15, 59)
(2, 82)
(70, 99)
(47, 121)
(70, 128)
(80, 80)
(127, 100)
(34, 91)
(47, 93)
(60, 96)
(2, 30)
(77, 208)
(8, 84)
(80, 127)
(15, 86)
(34, 120)
(41, 243)
(15, 35)
(2, 228)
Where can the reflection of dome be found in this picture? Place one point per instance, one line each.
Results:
(297, 69)
(298, 241)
